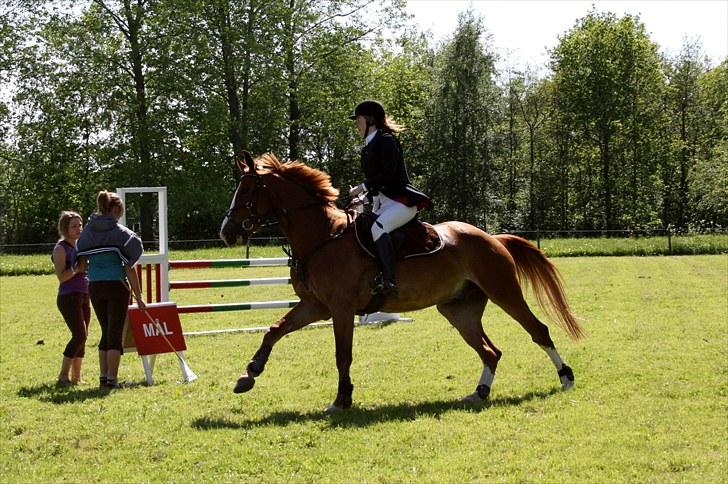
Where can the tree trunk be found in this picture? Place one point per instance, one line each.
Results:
(147, 175)
(683, 186)
(245, 92)
(607, 183)
(294, 112)
(231, 85)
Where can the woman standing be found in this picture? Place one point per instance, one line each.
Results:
(112, 251)
(387, 186)
(72, 299)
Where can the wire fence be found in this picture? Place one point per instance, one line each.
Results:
(544, 239)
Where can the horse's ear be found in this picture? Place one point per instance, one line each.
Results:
(249, 161)
(242, 168)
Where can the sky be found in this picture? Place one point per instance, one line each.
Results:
(523, 30)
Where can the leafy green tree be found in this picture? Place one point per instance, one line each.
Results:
(708, 190)
(403, 78)
(118, 93)
(9, 41)
(460, 125)
(48, 162)
(683, 73)
(533, 106)
(313, 36)
(609, 83)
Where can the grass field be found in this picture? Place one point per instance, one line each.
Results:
(650, 402)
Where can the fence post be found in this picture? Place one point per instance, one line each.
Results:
(669, 240)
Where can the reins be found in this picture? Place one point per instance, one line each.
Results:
(299, 264)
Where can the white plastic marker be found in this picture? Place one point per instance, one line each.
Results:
(187, 374)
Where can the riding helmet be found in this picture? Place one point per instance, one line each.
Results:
(369, 108)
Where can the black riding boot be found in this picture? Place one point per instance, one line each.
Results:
(385, 283)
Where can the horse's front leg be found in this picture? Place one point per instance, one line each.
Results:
(344, 336)
(302, 314)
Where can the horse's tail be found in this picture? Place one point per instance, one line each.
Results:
(533, 266)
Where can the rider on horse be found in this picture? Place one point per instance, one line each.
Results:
(386, 185)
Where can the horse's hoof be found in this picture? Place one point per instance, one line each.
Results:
(480, 394)
(566, 375)
(245, 383)
(472, 398)
(333, 408)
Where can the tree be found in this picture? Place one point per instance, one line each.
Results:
(129, 19)
(608, 79)
(534, 110)
(49, 155)
(311, 34)
(460, 126)
(708, 190)
(683, 101)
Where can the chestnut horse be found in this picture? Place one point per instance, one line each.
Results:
(332, 275)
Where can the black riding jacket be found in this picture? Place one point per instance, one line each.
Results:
(384, 170)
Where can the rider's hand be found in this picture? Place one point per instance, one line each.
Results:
(357, 190)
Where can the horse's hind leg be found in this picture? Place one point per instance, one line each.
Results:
(465, 313)
(302, 314)
(518, 309)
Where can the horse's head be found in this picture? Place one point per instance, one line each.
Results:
(271, 189)
(249, 206)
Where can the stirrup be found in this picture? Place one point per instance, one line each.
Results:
(386, 288)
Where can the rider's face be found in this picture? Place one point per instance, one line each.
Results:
(361, 125)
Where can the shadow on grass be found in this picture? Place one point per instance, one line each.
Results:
(51, 393)
(363, 417)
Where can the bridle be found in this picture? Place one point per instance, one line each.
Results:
(254, 220)
(249, 224)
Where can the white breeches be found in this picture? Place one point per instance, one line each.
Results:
(392, 215)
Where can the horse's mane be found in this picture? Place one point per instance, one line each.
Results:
(318, 182)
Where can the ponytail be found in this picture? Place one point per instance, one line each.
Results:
(390, 126)
(106, 202)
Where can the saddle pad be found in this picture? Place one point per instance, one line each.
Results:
(414, 239)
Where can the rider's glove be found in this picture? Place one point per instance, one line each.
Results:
(357, 190)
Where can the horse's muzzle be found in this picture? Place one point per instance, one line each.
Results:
(232, 233)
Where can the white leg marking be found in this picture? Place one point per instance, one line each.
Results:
(485, 379)
(555, 358)
(566, 383)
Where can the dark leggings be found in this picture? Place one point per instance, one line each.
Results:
(111, 301)
(77, 314)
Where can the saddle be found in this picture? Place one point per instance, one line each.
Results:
(414, 239)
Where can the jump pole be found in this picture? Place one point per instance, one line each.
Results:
(260, 262)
